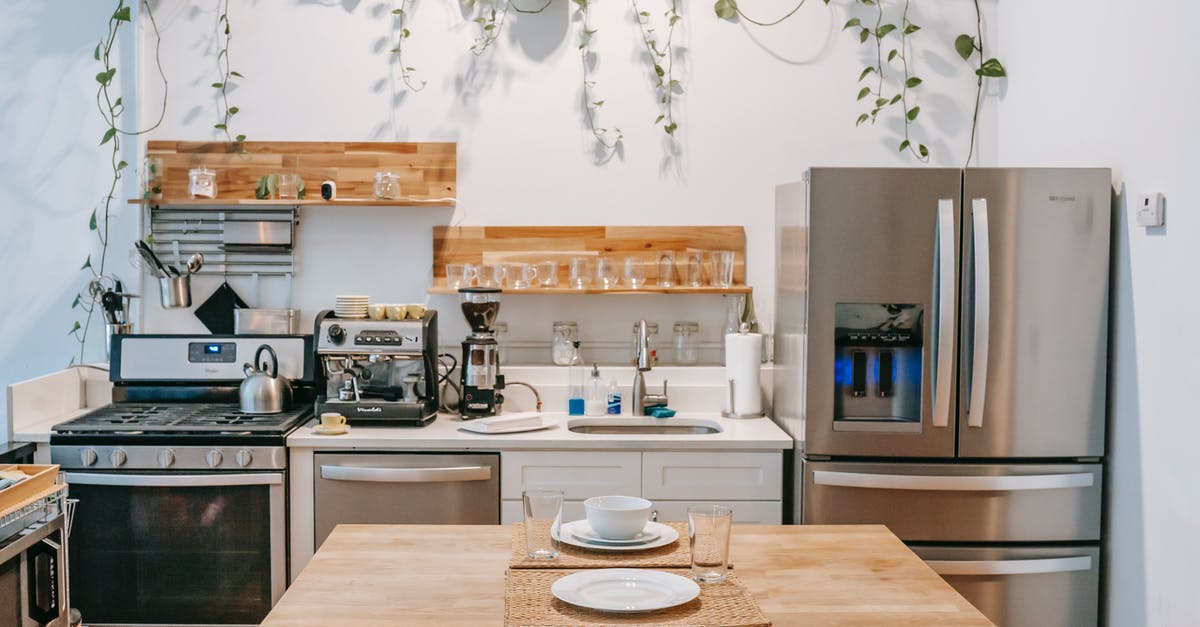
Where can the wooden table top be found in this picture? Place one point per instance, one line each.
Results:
(447, 575)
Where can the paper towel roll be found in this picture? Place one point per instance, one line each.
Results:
(743, 356)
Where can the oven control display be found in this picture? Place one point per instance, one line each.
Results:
(212, 352)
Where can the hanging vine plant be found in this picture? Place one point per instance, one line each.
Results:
(111, 109)
(401, 16)
(490, 16)
(225, 112)
(989, 67)
(662, 61)
(607, 140)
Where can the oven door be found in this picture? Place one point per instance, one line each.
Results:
(180, 548)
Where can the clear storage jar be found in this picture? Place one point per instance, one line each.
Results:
(686, 333)
(202, 183)
(387, 186)
(562, 345)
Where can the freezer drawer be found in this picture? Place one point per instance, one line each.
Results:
(1020, 586)
(408, 488)
(958, 502)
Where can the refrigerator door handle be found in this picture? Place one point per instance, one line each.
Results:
(982, 283)
(946, 298)
(1011, 567)
(950, 483)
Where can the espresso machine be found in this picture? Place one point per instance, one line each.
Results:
(379, 372)
(481, 379)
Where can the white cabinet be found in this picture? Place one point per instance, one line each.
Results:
(749, 483)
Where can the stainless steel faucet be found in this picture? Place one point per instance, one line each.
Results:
(640, 398)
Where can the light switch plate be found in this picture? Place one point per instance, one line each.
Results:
(1150, 210)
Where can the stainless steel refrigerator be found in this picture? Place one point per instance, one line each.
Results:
(941, 361)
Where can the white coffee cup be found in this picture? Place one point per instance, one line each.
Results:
(617, 517)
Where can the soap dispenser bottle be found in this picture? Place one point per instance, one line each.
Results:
(595, 394)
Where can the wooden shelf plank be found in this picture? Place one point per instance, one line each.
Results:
(276, 202)
(736, 289)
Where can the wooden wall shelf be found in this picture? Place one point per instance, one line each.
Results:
(533, 244)
(427, 171)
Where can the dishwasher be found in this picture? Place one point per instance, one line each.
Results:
(404, 488)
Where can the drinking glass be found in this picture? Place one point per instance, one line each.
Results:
(518, 276)
(490, 276)
(547, 274)
(460, 275)
(666, 268)
(708, 535)
(581, 272)
(606, 272)
(694, 269)
(543, 515)
(635, 273)
(288, 186)
(722, 268)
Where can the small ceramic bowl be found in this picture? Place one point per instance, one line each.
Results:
(617, 517)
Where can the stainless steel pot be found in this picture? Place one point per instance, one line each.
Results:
(262, 392)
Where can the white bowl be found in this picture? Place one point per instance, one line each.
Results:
(617, 517)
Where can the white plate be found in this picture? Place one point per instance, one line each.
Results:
(625, 589)
(334, 430)
(568, 531)
(481, 428)
(591, 537)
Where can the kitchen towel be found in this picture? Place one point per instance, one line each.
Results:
(743, 361)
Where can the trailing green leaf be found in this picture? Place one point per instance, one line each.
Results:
(965, 46)
(725, 9)
(991, 69)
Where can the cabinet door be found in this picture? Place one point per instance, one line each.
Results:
(511, 511)
(744, 512)
(712, 476)
(580, 475)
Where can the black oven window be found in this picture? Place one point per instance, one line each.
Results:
(171, 555)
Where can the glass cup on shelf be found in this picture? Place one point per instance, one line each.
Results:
(635, 273)
(547, 274)
(562, 345)
(722, 261)
(543, 515)
(387, 186)
(686, 353)
(460, 275)
(693, 269)
(202, 183)
(288, 186)
(489, 276)
(581, 273)
(666, 268)
(708, 534)
(518, 276)
(606, 272)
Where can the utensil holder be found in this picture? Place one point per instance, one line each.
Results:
(175, 291)
(115, 329)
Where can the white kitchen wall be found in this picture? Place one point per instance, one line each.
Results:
(1113, 83)
(758, 107)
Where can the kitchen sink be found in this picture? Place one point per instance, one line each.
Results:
(643, 426)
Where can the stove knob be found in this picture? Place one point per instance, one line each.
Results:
(88, 457)
(118, 457)
(214, 458)
(244, 457)
(337, 334)
(166, 458)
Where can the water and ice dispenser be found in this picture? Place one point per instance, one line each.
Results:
(877, 378)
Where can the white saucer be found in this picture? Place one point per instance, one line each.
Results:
(590, 536)
(334, 430)
(474, 427)
(625, 589)
(569, 533)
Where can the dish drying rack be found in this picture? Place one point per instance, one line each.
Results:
(41, 509)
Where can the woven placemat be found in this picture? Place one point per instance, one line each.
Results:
(674, 555)
(528, 602)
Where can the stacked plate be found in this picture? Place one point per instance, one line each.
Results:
(351, 306)
(579, 533)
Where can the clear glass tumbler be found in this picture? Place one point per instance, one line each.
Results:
(635, 273)
(666, 268)
(288, 186)
(581, 273)
(543, 515)
(694, 269)
(723, 261)
(709, 528)
(606, 272)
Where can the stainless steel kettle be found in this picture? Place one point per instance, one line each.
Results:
(262, 392)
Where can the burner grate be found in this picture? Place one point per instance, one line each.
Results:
(180, 418)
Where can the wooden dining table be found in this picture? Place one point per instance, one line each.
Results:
(451, 575)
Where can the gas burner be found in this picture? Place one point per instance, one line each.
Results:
(138, 418)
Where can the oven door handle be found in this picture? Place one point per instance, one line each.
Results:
(406, 475)
(174, 480)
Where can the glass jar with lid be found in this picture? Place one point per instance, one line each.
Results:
(686, 333)
(387, 186)
(562, 346)
(651, 342)
(202, 183)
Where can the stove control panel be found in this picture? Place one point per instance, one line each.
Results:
(212, 352)
(173, 458)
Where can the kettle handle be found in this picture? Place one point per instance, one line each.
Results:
(274, 359)
(248, 369)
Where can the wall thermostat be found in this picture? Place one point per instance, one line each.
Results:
(1150, 210)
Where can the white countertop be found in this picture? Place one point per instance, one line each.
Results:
(444, 434)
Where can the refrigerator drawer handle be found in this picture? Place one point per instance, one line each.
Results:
(1009, 483)
(1011, 567)
(979, 219)
(946, 297)
(406, 475)
(172, 480)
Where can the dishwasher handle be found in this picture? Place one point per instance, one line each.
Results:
(406, 475)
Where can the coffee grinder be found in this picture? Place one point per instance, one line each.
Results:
(481, 378)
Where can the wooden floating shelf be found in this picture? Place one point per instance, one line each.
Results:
(278, 202)
(622, 291)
